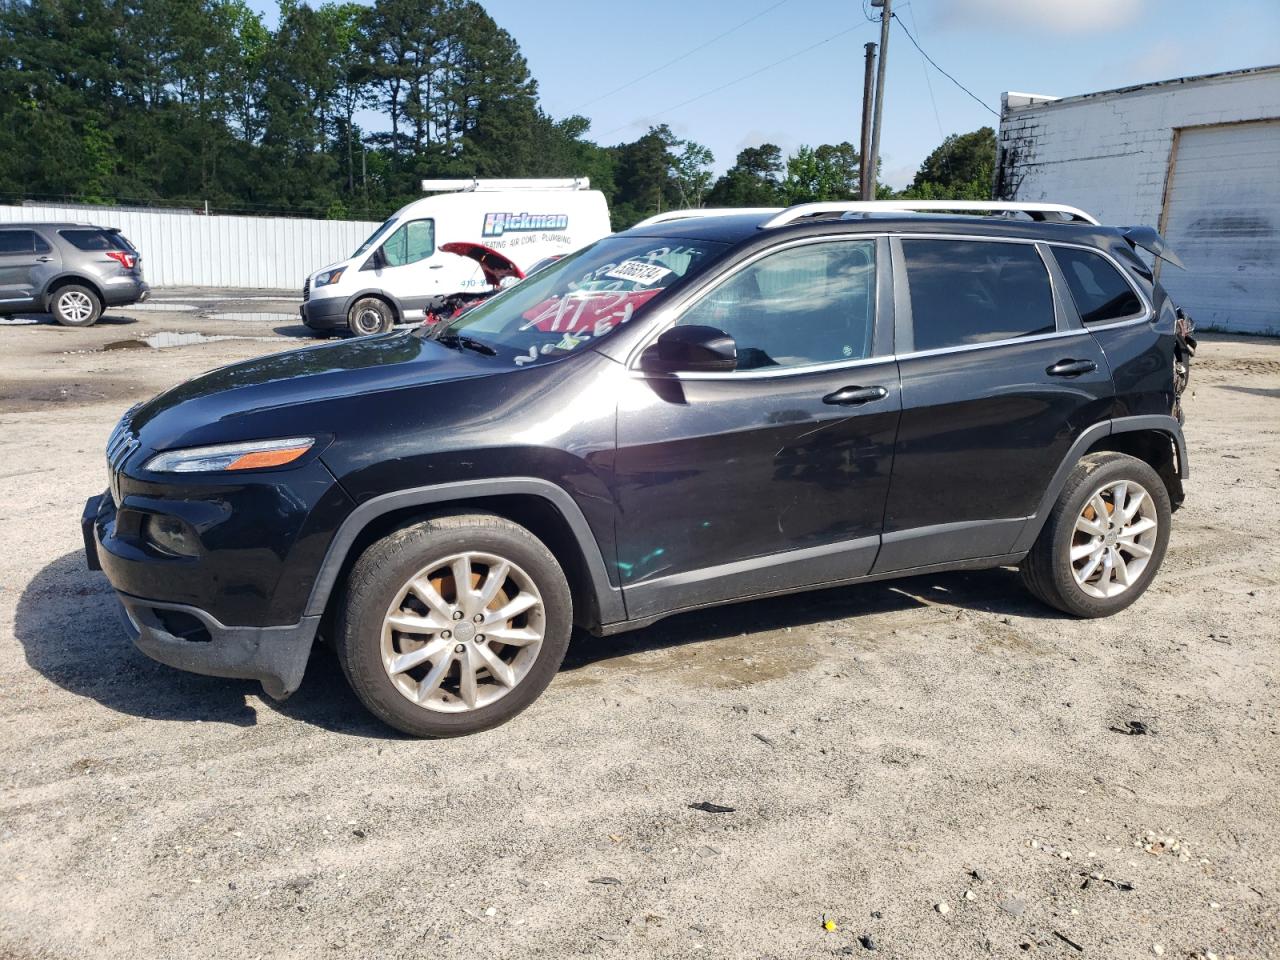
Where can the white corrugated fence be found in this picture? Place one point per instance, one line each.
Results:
(180, 248)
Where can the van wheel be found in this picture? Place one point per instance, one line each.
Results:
(453, 625)
(370, 315)
(75, 306)
(1104, 540)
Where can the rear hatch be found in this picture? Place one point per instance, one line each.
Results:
(107, 247)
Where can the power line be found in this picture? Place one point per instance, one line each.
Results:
(925, 70)
(683, 56)
(723, 86)
(941, 71)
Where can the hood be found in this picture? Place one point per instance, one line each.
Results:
(496, 266)
(286, 392)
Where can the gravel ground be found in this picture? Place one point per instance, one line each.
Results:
(939, 765)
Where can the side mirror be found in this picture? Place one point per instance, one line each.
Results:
(692, 349)
(379, 259)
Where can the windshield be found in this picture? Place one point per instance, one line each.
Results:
(578, 299)
(374, 237)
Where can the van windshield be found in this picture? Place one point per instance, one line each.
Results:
(374, 237)
(578, 299)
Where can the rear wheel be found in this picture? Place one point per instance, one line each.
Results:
(454, 625)
(1105, 539)
(75, 306)
(369, 315)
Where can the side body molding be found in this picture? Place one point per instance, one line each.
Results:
(1163, 424)
(608, 597)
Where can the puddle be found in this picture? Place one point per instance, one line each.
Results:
(163, 341)
(18, 321)
(162, 305)
(253, 316)
(225, 298)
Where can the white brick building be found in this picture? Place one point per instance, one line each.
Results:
(1199, 158)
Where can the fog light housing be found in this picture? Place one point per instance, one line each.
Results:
(169, 535)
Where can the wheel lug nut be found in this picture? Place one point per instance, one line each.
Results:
(457, 614)
(459, 648)
(478, 618)
(480, 638)
(446, 634)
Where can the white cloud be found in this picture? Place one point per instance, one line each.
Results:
(1060, 16)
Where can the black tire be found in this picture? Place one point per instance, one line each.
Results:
(383, 570)
(1047, 570)
(370, 315)
(75, 306)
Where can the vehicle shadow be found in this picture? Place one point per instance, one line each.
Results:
(998, 592)
(69, 625)
(46, 320)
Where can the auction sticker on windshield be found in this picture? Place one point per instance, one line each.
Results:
(640, 272)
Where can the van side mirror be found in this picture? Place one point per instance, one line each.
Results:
(377, 260)
(692, 349)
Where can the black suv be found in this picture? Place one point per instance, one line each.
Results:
(696, 411)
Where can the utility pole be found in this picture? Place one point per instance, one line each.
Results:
(886, 14)
(864, 155)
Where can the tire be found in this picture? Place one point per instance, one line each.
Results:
(369, 315)
(427, 697)
(1073, 586)
(75, 306)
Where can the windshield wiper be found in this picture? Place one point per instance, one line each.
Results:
(468, 343)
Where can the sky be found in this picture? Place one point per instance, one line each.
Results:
(734, 92)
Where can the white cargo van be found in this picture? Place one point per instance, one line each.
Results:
(433, 255)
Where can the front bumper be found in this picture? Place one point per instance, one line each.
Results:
(188, 638)
(328, 313)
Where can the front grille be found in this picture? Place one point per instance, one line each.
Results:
(306, 289)
(122, 442)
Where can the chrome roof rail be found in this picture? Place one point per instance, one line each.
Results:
(1037, 211)
(669, 215)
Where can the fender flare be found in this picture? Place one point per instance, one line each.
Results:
(1149, 422)
(396, 305)
(46, 295)
(608, 597)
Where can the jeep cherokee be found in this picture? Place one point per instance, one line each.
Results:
(699, 410)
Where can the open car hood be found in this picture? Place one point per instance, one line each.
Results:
(496, 267)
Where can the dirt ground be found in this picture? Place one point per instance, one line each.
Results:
(886, 749)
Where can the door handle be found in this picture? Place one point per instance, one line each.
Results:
(435, 266)
(1071, 368)
(853, 396)
(44, 259)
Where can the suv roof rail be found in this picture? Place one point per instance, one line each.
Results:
(474, 184)
(669, 215)
(1037, 211)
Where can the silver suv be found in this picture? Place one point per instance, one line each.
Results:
(71, 270)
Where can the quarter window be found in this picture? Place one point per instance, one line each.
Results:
(412, 242)
(976, 291)
(1100, 293)
(806, 305)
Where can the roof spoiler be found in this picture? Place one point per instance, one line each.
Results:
(1153, 243)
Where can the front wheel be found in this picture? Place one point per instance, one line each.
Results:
(1104, 540)
(370, 315)
(75, 306)
(453, 625)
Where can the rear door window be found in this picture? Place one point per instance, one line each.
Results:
(1100, 293)
(966, 292)
(14, 242)
(801, 306)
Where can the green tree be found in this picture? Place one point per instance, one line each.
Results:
(962, 168)
(828, 172)
(754, 180)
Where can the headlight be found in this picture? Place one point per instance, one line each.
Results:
(231, 456)
(329, 276)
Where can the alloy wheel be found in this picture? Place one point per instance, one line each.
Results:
(463, 632)
(75, 306)
(1114, 538)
